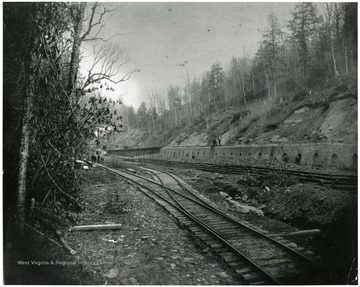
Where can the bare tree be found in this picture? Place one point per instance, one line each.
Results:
(152, 108)
(331, 16)
(106, 65)
(78, 11)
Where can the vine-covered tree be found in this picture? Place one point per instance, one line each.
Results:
(44, 92)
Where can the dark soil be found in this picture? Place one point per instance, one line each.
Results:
(282, 205)
(149, 249)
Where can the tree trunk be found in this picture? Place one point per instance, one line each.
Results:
(75, 54)
(127, 119)
(275, 91)
(74, 64)
(244, 93)
(154, 126)
(269, 92)
(176, 119)
(333, 55)
(191, 109)
(253, 80)
(346, 59)
(328, 63)
(28, 69)
(24, 156)
(207, 121)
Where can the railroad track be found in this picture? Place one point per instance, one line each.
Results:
(335, 180)
(255, 257)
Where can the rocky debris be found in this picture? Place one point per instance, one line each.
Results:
(133, 281)
(223, 275)
(292, 122)
(218, 176)
(281, 197)
(245, 208)
(301, 110)
(112, 273)
(223, 194)
(275, 138)
(150, 249)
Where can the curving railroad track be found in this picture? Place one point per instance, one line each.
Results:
(341, 181)
(256, 257)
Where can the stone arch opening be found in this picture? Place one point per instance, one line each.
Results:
(240, 154)
(260, 155)
(193, 156)
(316, 157)
(231, 153)
(354, 161)
(285, 157)
(272, 155)
(298, 158)
(334, 158)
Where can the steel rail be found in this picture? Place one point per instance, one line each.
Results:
(214, 232)
(219, 212)
(206, 205)
(199, 222)
(225, 216)
(326, 178)
(258, 168)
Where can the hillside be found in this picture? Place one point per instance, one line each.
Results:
(323, 116)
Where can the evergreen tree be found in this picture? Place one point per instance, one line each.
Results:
(234, 79)
(174, 100)
(271, 53)
(303, 26)
(216, 86)
(142, 115)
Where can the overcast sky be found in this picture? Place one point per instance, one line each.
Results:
(168, 40)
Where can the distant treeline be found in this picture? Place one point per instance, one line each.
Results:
(317, 48)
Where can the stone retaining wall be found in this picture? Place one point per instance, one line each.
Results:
(328, 155)
(134, 152)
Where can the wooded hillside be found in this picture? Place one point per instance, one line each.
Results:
(315, 52)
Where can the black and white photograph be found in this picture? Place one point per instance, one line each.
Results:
(180, 143)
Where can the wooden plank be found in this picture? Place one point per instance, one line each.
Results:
(96, 227)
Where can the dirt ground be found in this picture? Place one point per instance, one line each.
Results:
(150, 249)
(283, 206)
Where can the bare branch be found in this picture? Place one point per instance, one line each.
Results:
(107, 65)
(95, 38)
(91, 25)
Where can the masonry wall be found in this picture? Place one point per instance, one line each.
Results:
(328, 155)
